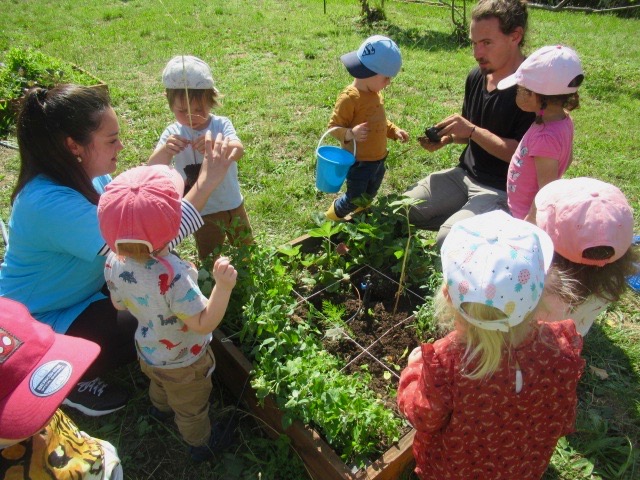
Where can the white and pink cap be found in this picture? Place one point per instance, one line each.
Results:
(499, 261)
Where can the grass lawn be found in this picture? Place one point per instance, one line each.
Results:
(277, 64)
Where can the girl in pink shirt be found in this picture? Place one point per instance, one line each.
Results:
(548, 82)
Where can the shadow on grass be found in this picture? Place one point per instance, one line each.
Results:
(414, 38)
(605, 444)
(419, 38)
(150, 449)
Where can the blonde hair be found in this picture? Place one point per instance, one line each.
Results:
(137, 251)
(483, 348)
(208, 97)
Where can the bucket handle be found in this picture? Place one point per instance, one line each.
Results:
(331, 130)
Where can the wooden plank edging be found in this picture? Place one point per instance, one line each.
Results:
(322, 462)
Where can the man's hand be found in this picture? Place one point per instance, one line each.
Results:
(433, 146)
(457, 126)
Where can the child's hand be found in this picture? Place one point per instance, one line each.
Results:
(402, 136)
(176, 144)
(224, 273)
(198, 144)
(360, 132)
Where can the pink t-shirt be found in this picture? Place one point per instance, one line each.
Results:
(550, 140)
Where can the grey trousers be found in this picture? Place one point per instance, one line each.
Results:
(448, 196)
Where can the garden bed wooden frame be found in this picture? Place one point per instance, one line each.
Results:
(321, 461)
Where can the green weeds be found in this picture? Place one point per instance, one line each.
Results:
(277, 64)
(28, 68)
(291, 365)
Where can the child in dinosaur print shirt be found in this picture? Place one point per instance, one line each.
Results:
(138, 213)
(160, 305)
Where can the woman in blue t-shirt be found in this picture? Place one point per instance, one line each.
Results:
(69, 142)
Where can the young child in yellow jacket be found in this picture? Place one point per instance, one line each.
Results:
(359, 116)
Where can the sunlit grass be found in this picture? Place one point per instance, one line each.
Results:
(277, 65)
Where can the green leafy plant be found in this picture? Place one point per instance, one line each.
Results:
(291, 364)
(402, 206)
(6, 117)
(27, 68)
(426, 324)
(382, 237)
(328, 266)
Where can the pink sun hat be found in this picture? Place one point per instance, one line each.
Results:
(551, 70)
(38, 368)
(496, 260)
(581, 213)
(142, 205)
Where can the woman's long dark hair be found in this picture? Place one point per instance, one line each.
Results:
(46, 119)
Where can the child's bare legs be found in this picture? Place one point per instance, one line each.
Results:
(217, 226)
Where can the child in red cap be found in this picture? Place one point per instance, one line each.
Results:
(139, 213)
(38, 369)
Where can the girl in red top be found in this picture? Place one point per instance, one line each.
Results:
(491, 399)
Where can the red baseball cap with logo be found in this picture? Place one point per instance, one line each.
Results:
(38, 369)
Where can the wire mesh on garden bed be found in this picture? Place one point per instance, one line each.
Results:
(365, 327)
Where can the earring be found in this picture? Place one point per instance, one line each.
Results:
(79, 159)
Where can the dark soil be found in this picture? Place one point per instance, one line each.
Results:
(372, 322)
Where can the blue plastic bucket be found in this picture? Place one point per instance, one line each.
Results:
(332, 166)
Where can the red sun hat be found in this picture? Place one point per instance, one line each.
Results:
(142, 205)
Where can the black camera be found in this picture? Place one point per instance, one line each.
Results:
(192, 171)
(432, 134)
